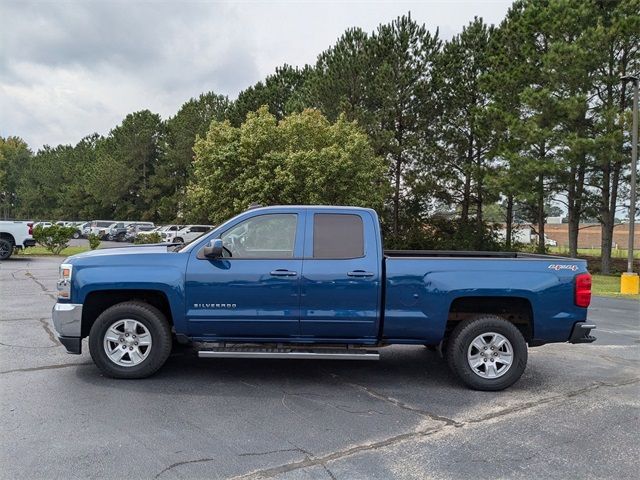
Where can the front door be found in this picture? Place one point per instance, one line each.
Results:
(340, 291)
(254, 290)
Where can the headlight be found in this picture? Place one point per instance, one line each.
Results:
(64, 281)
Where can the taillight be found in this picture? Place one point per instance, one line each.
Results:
(30, 225)
(583, 290)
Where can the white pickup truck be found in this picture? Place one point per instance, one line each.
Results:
(15, 235)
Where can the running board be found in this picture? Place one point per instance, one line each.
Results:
(320, 354)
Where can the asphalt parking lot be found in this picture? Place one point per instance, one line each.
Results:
(574, 414)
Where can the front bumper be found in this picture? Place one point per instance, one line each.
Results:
(580, 333)
(67, 321)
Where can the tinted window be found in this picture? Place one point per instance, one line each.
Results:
(337, 236)
(264, 236)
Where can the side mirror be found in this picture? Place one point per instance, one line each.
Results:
(213, 249)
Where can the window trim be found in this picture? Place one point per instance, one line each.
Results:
(313, 231)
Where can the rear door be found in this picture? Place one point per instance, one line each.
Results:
(340, 285)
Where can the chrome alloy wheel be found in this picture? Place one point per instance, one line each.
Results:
(490, 355)
(127, 342)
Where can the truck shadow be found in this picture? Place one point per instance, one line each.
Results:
(417, 376)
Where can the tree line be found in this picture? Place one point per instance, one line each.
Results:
(444, 138)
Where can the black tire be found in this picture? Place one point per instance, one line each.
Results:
(154, 321)
(178, 240)
(76, 235)
(6, 249)
(461, 339)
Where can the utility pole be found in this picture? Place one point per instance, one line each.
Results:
(630, 282)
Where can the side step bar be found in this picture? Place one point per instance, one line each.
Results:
(319, 354)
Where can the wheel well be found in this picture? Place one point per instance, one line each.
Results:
(8, 236)
(97, 302)
(516, 310)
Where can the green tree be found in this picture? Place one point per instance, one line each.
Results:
(525, 90)
(382, 81)
(302, 159)
(464, 144)
(617, 37)
(405, 52)
(169, 181)
(279, 92)
(340, 82)
(54, 238)
(14, 158)
(120, 177)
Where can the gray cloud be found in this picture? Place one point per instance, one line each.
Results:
(70, 68)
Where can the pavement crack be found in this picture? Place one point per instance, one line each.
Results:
(553, 398)
(41, 285)
(399, 403)
(25, 346)
(177, 464)
(256, 454)
(403, 437)
(18, 319)
(618, 360)
(45, 367)
(315, 461)
(45, 324)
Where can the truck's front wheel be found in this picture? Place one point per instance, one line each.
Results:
(487, 353)
(130, 340)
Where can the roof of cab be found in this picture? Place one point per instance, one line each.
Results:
(315, 207)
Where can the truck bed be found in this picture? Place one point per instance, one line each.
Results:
(422, 286)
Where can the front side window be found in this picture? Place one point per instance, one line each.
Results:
(337, 236)
(264, 236)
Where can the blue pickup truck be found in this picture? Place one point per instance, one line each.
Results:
(315, 282)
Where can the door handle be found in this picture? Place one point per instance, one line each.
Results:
(360, 273)
(281, 272)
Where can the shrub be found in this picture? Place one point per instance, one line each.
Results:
(54, 238)
(94, 241)
(148, 238)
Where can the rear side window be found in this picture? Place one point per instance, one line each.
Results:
(337, 236)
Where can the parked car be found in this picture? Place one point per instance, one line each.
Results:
(42, 224)
(168, 232)
(15, 235)
(101, 227)
(295, 280)
(135, 230)
(116, 232)
(81, 227)
(190, 232)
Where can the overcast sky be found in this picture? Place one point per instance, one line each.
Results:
(70, 68)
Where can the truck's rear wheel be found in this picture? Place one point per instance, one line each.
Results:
(487, 353)
(6, 248)
(130, 340)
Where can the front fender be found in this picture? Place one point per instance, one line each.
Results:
(166, 279)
